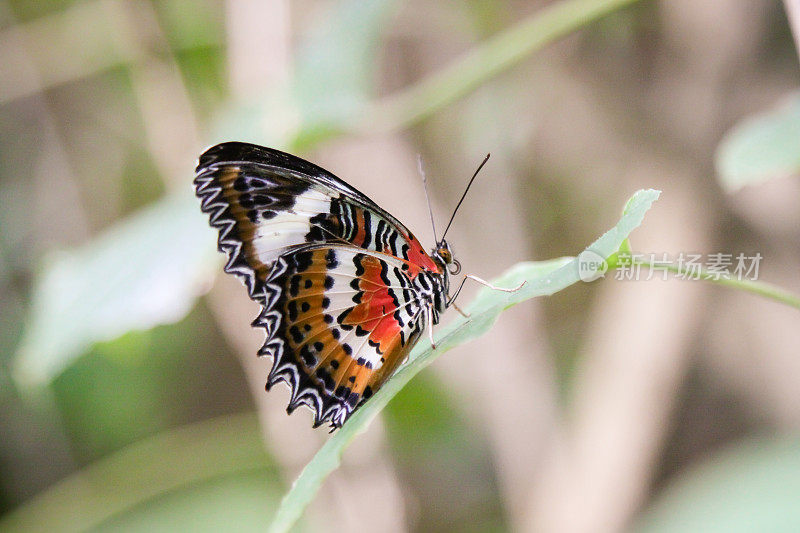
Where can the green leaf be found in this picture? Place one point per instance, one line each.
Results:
(145, 271)
(751, 487)
(541, 278)
(177, 470)
(621, 257)
(764, 146)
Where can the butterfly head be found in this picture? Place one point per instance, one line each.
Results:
(443, 255)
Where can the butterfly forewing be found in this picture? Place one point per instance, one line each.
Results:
(333, 271)
(265, 202)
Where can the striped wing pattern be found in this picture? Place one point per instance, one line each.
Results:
(342, 284)
(265, 202)
(337, 326)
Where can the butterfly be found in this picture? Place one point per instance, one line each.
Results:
(346, 289)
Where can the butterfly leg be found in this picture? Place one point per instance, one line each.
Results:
(462, 313)
(453, 298)
(487, 284)
(430, 324)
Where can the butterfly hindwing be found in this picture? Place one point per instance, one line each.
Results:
(342, 321)
(265, 202)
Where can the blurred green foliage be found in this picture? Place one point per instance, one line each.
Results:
(762, 147)
(137, 385)
(124, 279)
(448, 456)
(206, 474)
(751, 486)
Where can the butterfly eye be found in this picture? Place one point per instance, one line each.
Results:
(455, 267)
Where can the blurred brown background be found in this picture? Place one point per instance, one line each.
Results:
(584, 411)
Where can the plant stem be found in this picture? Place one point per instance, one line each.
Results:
(484, 62)
(761, 288)
(793, 13)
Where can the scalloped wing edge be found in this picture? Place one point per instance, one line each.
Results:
(219, 219)
(283, 368)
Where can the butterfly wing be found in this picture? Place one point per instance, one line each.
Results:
(333, 271)
(265, 203)
(339, 321)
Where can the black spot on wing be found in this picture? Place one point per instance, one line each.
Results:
(318, 226)
(302, 260)
(297, 335)
(246, 201)
(358, 262)
(376, 346)
(353, 399)
(291, 307)
(262, 200)
(342, 317)
(294, 285)
(330, 259)
(342, 392)
(358, 295)
(326, 378)
(307, 357)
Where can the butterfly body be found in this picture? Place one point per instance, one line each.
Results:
(346, 290)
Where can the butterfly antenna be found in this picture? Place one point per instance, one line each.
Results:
(485, 159)
(427, 196)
